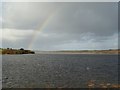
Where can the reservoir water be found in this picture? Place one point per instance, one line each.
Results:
(58, 70)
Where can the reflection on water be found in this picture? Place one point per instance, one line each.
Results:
(55, 70)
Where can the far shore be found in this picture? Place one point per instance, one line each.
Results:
(110, 51)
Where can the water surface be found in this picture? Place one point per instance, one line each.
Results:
(57, 70)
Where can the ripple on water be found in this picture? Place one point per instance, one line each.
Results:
(58, 70)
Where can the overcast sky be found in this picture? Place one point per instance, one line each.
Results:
(60, 26)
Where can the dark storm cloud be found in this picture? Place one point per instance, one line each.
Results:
(98, 18)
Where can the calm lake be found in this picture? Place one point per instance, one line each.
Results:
(58, 70)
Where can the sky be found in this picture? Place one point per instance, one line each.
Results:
(60, 0)
(59, 25)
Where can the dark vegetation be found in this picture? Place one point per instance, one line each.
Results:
(16, 51)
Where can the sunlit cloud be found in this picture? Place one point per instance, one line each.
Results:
(15, 35)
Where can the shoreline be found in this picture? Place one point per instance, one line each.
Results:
(105, 52)
(79, 53)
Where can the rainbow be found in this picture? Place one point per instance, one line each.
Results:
(41, 28)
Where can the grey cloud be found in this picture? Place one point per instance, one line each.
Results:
(58, 42)
(74, 25)
(98, 18)
(26, 15)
